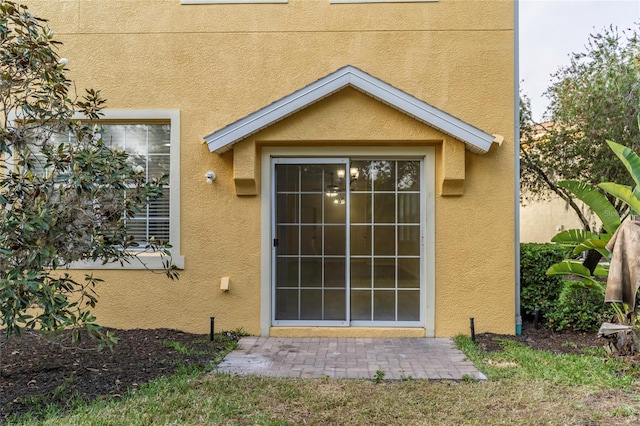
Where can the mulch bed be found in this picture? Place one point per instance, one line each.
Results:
(543, 338)
(36, 370)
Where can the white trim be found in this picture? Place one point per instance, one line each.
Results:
(266, 214)
(427, 153)
(476, 140)
(235, 1)
(429, 264)
(152, 260)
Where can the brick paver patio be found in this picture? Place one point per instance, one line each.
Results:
(357, 358)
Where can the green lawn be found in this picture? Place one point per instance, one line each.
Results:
(525, 387)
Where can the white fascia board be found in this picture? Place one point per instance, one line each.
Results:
(222, 140)
(475, 139)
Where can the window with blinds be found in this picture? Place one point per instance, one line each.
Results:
(148, 146)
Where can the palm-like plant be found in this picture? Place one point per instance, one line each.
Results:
(595, 243)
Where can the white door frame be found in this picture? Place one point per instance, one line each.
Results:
(426, 153)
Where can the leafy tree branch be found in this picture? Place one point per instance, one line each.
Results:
(61, 201)
(594, 99)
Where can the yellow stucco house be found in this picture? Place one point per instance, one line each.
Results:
(337, 167)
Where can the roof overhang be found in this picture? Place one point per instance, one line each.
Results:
(476, 140)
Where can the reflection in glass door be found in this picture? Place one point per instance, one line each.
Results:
(385, 243)
(347, 242)
(310, 242)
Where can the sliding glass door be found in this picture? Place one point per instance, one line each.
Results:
(347, 242)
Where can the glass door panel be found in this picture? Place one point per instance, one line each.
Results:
(310, 237)
(409, 305)
(361, 305)
(347, 242)
(385, 224)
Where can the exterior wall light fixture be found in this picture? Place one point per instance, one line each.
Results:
(210, 176)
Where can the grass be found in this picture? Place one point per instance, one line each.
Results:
(180, 348)
(525, 387)
(520, 363)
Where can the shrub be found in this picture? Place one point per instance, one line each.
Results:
(580, 306)
(536, 288)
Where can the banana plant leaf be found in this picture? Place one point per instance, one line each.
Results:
(596, 201)
(629, 159)
(594, 244)
(602, 270)
(624, 193)
(571, 267)
(574, 237)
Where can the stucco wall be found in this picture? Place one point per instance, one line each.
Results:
(218, 63)
(542, 220)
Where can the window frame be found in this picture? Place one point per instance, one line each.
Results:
(150, 260)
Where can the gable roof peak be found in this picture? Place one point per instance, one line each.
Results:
(476, 140)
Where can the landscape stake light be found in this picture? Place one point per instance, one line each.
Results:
(211, 327)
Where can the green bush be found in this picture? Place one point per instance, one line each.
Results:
(580, 306)
(536, 288)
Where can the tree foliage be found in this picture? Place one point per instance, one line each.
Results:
(539, 290)
(579, 241)
(593, 99)
(64, 195)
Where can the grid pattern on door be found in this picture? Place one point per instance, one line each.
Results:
(310, 237)
(385, 241)
(348, 242)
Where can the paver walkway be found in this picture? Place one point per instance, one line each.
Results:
(416, 358)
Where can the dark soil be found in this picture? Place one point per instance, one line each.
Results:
(543, 338)
(36, 370)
